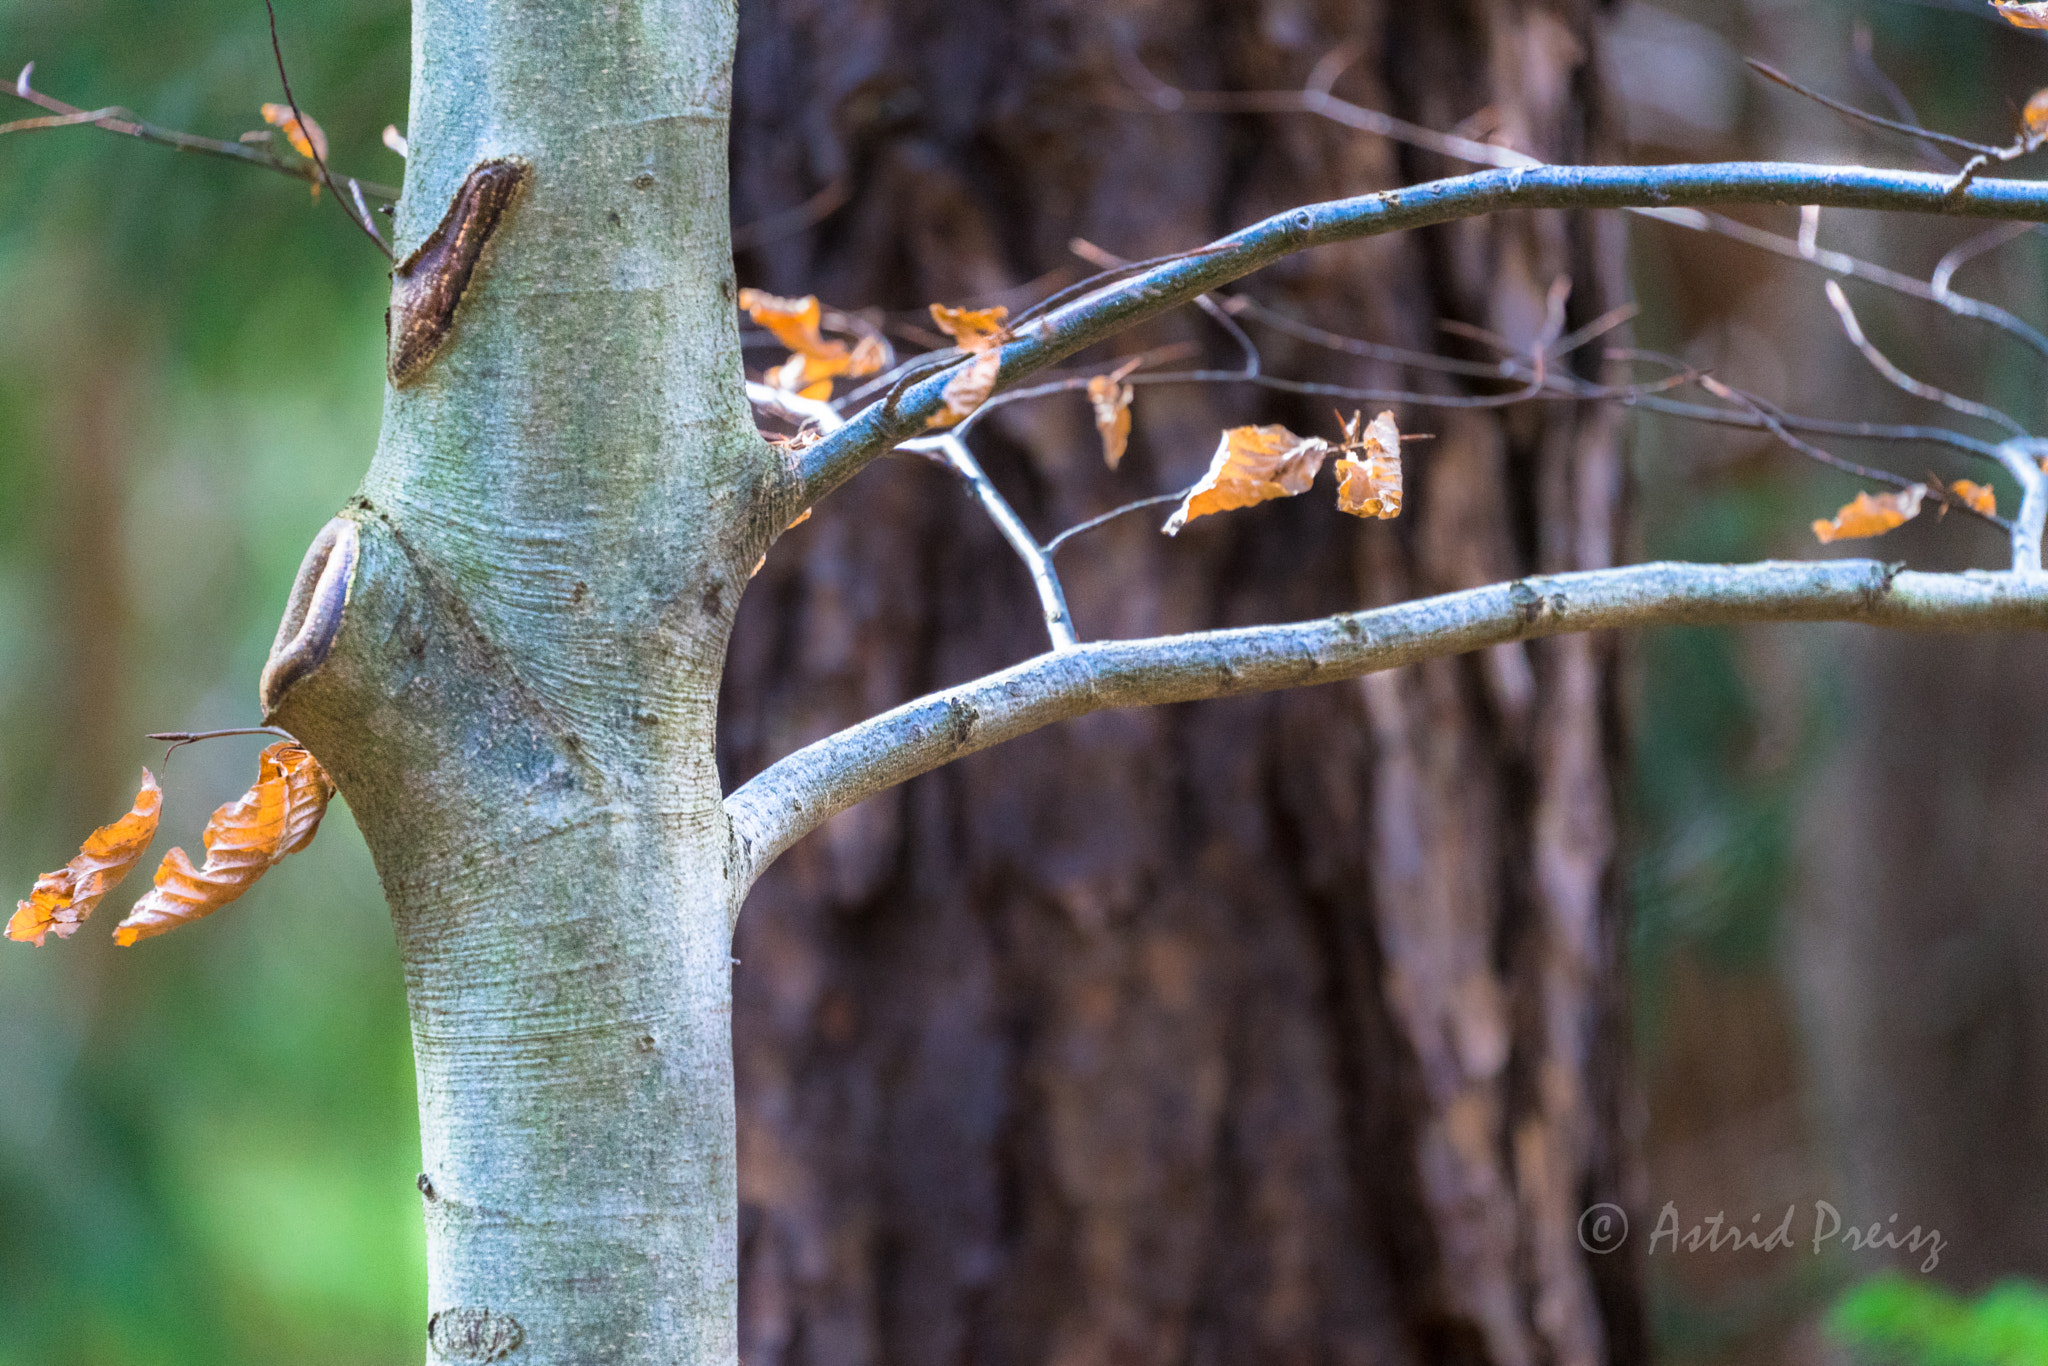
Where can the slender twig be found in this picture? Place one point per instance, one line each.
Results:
(954, 454)
(1843, 264)
(2022, 459)
(368, 228)
(1815, 453)
(1858, 431)
(1963, 253)
(117, 119)
(1882, 363)
(798, 793)
(1911, 130)
(180, 738)
(808, 214)
(1052, 546)
(1052, 598)
(1166, 98)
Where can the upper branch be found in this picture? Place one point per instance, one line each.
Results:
(799, 792)
(1133, 297)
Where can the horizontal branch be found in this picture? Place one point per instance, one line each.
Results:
(800, 792)
(1127, 300)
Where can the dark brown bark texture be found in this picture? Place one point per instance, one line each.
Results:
(1274, 1030)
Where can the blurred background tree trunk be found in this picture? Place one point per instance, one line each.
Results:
(1279, 1030)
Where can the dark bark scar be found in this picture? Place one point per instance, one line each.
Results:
(428, 285)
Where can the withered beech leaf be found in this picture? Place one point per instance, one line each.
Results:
(302, 133)
(2035, 116)
(1975, 496)
(973, 329)
(814, 358)
(1111, 399)
(62, 900)
(1252, 465)
(968, 389)
(243, 839)
(868, 357)
(793, 322)
(1371, 486)
(2023, 13)
(1871, 514)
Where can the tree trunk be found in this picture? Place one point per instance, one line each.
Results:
(518, 704)
(1279, 1029)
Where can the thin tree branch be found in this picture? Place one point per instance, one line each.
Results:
(2022, 459)
(1911, 130)
(1841, 263)
(798, 793)
(1052, 598)
(116, 119)
(368, 228)
(1103, 518)
(952, 452)
(1882, 363)
(1114, 307)
(1316, 99)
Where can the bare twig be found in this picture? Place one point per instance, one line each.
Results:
(368, 228)
(1052, 598)
(801, 791)
(953, 453)
(1963, 253)
(1052, 546)
(1918, 388)
(180, 738)
(116, 119)
(1911, 130)
(1833, 461)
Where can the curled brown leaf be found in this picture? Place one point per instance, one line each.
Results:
(1871, 514)
(1252, 465)
(973, 329)
(968, 389)
(243, 841)
(1370, 486)
(1111, 399)
(62, 900)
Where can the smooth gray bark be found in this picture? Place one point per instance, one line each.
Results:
(519, 704)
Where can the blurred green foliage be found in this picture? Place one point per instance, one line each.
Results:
(1894, 1320)
(207, 1142)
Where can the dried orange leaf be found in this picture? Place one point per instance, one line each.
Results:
(868, 357)
(62, 900)
(303, 134)
(968, 389)
(308, 790)
(278, 816)
(1252, 465)
(2034, 117)
(1111, 398)
(1871, 514)
(973, 329)
(794, 322)
(1975, 496)
(1371, 487)
(2023, 13)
